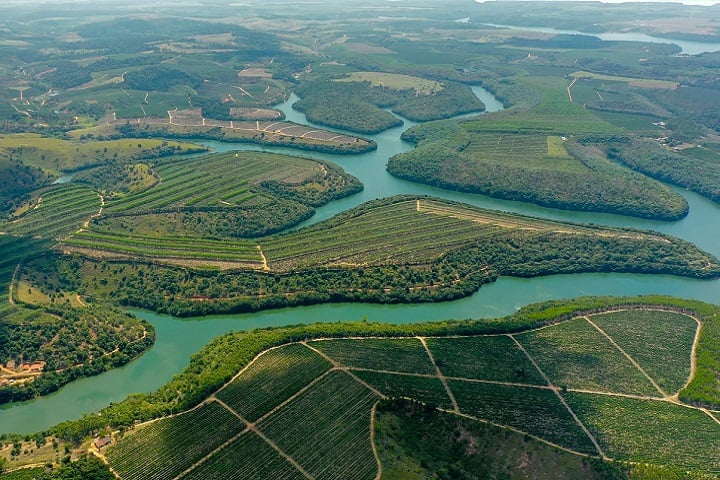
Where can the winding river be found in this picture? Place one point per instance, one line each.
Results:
(177, 339)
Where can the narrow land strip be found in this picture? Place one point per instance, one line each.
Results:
(440, 375)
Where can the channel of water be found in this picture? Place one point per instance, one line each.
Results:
(177, 339)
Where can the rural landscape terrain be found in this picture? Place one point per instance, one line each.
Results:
(372, 240)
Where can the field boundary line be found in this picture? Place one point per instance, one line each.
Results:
(343, 368)
(372, 441)
(456, 379)
(693, 350)
(282, 453)
(440, 375)
(252, 427)
(522, 432)
(293, 396)
(207, 457)
(11, 288)
(560, 397)
(626, 355)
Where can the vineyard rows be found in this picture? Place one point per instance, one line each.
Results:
(428, 390)
(532, 410)
(327, 429)
(271, 379)
(320, 417)
(653, 431)
(164, 449)
(506, 146)
(495, 358)
(650, 336)
(211, 180)
(401, 355)
(57, 212)
(248, 458)
(576, 355)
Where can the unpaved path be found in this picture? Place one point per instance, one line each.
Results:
(440, 375)
(631, 359)
(560, 397)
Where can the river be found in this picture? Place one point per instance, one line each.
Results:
(688, 47)
(177, 339)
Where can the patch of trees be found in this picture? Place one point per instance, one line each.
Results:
(649, 157)
(73, 343)
(160, 79)
(586, 183)
(67, 74)
(573, 41)
(359, 106)
(17, 180)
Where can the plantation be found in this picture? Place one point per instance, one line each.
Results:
(575, 355)
(248, 457)
(539, 167)
(651, 431)
(327, 429)
(659, 341)
(55, 212)
(402, 355)
(271, 379)
(169, 446)
(383, 251)
(321, 427)
(426, 389)
(496, 359)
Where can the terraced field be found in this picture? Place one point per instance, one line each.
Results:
(401, 230)
(55, 212)
(315, 418)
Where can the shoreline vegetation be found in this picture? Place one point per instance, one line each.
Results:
(217, 363)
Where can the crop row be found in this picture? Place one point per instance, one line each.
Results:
(401, 355)
(661, 342)
(650, 431)
(220, 177)
(58, 212)
(501, 146)
(249, 458)
(532, 410)
(190, 248)
(428, 390)
(167, 447)
(495, 358)
(327, 429)
(576, 355)
(271, 379)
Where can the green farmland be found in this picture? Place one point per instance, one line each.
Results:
(329, 399)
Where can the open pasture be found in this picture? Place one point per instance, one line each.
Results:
(633, 82)
(58, 155)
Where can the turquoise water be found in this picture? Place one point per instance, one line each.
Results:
(177, 339)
